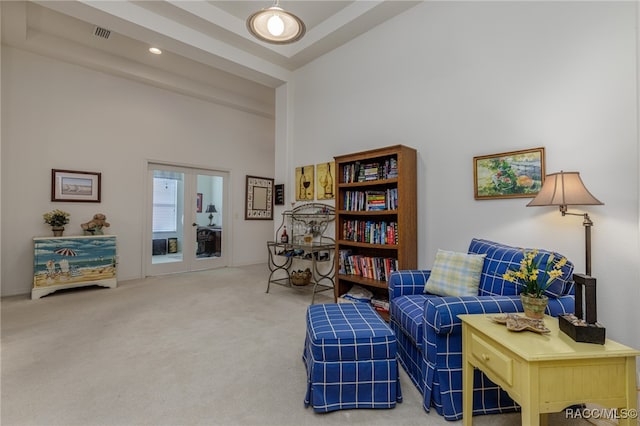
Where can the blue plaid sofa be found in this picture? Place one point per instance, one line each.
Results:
(429, 332)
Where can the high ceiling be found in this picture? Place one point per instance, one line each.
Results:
(203, 42)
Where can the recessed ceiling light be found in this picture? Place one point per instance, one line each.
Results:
(155, 50)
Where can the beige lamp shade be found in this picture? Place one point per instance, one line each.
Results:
(275, 25)
(564, 189)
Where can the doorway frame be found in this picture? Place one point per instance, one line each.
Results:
(146, 211)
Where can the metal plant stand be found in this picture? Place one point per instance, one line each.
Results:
(308, 223)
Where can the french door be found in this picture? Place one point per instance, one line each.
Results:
(186, 222)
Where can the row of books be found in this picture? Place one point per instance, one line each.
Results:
(375, 170)
(371, 232)
(376, 268)
(371, 200)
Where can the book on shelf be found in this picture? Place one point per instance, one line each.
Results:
(371, 200)
(381, 303)
(371, 172)
(375, 268)
(392, 168)
(343, 264)
(361, 176)
(376, 200)
(351, 172)
(371, 232)
(391, 199)
(374, 170)
(354, 200)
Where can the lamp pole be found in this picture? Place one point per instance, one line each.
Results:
(587, 223)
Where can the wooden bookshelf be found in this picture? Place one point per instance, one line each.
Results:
(359, 223)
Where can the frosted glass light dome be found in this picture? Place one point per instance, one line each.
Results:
(275, 25)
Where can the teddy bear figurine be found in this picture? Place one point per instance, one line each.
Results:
(95, 225)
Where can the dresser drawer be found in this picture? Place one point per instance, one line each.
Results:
(492, 359)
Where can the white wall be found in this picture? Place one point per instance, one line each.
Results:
(461, 79)
(1, 136)
(58, 115)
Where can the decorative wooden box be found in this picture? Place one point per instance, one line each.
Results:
(67, 262)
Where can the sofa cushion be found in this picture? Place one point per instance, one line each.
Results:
(500, 258)
(407, 311)
(455, 274)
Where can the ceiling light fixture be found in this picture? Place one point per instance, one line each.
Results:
(155, 50)
(275, 25)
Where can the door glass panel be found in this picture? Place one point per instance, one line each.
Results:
(209, 208)
(185, 228)
(168, 216)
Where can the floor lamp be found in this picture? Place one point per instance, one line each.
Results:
(567, 189)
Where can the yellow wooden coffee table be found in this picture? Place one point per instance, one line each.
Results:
(545, 373)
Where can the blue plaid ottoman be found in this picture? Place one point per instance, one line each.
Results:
(350, 355)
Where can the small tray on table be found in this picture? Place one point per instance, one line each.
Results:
(515, 322)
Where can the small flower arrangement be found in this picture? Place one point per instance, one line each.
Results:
(529, 272)
(56, 218)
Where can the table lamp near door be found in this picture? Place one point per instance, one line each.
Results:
(567, 189)
(211, 209)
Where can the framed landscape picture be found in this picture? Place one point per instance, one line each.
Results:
(71, 185)
(515, 174)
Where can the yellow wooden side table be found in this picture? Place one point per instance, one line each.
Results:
(545, 373)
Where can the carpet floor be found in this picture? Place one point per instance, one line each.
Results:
(201, 348)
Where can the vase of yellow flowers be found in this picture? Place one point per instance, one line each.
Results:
(534, 280)
(57, 219)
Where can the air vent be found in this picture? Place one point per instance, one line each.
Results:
(102, 32)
